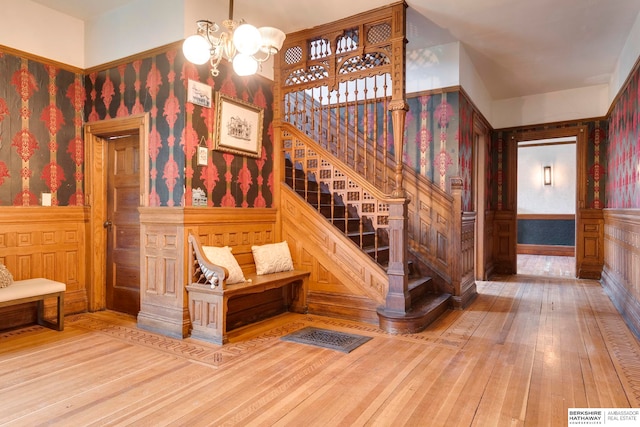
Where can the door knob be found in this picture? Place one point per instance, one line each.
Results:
(107, 224)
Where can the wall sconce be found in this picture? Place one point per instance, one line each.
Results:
(547, 175)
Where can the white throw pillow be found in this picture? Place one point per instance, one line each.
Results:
(6, 279)
(223, 257)
(272, 258)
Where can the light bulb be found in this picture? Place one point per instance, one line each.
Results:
(196, 49)
(244, 65)
(246, 38)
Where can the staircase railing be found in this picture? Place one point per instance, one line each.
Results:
(357, 132)
(320, 65)
(339, 194)
(342, 86)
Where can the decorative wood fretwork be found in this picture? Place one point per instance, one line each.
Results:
(44, 242)
(368, 44)
(328, 174)
(342, 83)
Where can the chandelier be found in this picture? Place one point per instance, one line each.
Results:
(242, 44)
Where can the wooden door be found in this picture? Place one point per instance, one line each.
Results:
(123, 225)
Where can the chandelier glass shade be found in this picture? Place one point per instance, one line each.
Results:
(243, 44)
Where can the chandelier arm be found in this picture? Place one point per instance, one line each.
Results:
(215, 61)
(264, 59)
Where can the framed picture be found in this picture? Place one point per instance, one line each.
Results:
(203, 156)
(238, 126)
(199, 93)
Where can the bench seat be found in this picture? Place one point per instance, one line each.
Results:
(209, 303)
(28, 290)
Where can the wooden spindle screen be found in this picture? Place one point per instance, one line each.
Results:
(337, 81)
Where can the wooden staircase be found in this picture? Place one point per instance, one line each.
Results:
(427, 302)
(341, 114)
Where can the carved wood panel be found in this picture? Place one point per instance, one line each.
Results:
(621, 272)
(44, 242)
(504, 242)
(590, 244)
(430, 229)
(349, 283)
(163, 306)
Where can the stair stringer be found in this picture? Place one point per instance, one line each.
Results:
(345, 281)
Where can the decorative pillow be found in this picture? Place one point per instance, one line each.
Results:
(272, 258)
(223, 257)
(6, 278)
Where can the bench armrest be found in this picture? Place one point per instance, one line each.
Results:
(202, 270)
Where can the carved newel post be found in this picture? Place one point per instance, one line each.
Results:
(398, 110)
(398, 297)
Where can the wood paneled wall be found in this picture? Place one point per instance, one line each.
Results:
(45, 242)
(621, 272)
(165, 256)
(590, 244)
(430, 228)
(467, 291)
(504, 242)
(344, 281)
(163, 251)
(489, 257)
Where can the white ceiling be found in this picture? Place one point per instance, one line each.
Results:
(519, 47)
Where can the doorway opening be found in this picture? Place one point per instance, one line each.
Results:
(546, 220)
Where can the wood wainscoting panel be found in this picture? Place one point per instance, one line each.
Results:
(344, 281)
(621, 272)
(548, 250)
(430, 228)
(237, 228)
(504, 242)
(489, 230)
(163, 301)
(590, 244)
(467, 292)
(45, 242)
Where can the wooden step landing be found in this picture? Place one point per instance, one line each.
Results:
(422, 313)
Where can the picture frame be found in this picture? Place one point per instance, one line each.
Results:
(203, 156)
(199, 93)
(238, 126)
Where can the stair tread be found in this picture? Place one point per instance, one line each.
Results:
(418, 281)
(429, 301)
(357, 233)
(427, 304)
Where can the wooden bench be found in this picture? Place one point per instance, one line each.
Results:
(23, 291)
(209, 295)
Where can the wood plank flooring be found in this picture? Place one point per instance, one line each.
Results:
(523, 353)
(544, 265)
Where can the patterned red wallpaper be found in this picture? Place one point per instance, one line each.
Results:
(41, 149)
(439, 140)
(431, 134)
(623, 152)
(158, 85)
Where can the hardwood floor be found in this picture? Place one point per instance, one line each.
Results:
(544, 265)
(523, 353)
